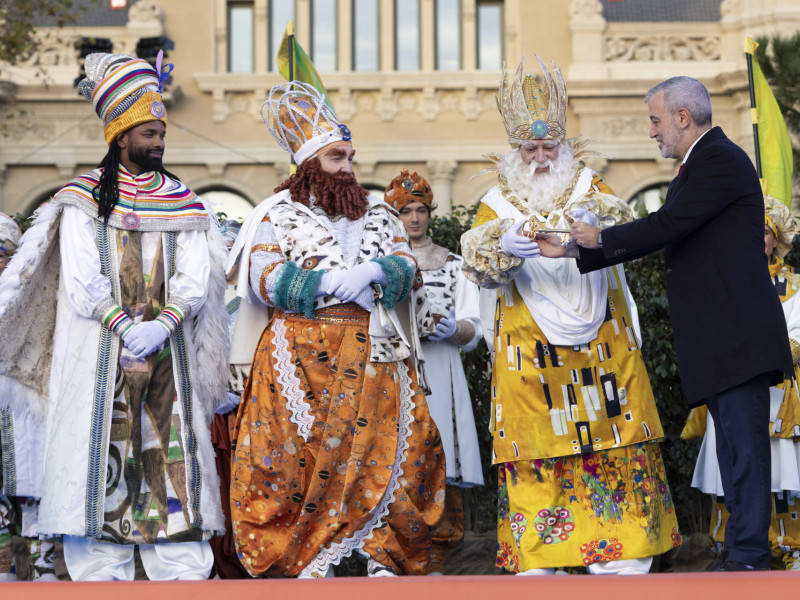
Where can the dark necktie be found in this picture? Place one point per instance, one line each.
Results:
(680, 169)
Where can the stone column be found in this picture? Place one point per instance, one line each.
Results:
(344, 54)
(220, 52)
(260, 27)
(426, 35)
(386, 38)
(441, 180)
(469, 36)
(587, 26)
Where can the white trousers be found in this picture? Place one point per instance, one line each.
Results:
(91, 560)
(632, 566)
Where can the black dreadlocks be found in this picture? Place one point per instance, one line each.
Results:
(106, 192)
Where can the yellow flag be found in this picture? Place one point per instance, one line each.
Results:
(775, 147)
(302, 66)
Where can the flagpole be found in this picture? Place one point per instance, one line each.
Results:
(753, 111)
(290, 29)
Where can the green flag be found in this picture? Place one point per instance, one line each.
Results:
(775, 147)
(302, 67)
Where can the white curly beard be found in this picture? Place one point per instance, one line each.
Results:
(539, 191)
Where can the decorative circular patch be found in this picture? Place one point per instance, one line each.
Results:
(130, 220)
(554, 524)
(158, 110)
(518, 526)
(677, 540)
(539, 129)
(601, 551)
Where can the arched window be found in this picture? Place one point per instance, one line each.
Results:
(649, 199)
(38, 202)
(224, 200)
(375, 191)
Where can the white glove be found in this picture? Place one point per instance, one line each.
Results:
(518, 245)
(325, 283)
(145, 338)
(348, 284)
(231, 401)
(444, 328)
(585, 216)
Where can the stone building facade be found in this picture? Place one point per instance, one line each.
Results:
(413, 79)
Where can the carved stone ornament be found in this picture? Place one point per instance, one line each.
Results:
(144, 11)
(627, 48)
(625, 127)
(442, 171)
(586, 9)
(728, 7)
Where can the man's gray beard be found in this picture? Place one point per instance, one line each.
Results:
(538, 191)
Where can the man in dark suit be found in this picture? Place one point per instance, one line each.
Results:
(730, 333)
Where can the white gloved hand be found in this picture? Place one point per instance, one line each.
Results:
(581, 215)
(444, 328)
(518, 245)
(348, 284)
(145, 338)
(231, 402)
(325, 283)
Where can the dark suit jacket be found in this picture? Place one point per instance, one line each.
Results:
(726, 315)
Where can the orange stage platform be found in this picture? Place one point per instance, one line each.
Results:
(688, 586)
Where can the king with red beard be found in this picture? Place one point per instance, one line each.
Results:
(335, 449)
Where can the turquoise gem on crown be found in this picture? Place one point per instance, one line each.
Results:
(539, 129)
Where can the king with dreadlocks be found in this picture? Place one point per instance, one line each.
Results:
(114, 335)
(335, 449)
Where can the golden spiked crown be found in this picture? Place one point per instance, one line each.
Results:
(530, 112)
(779, 219)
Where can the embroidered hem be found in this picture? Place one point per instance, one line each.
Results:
(290, 383)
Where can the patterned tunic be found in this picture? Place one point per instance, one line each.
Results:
(335, 450)
(574, 425)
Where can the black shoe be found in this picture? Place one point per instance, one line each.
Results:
(735, 565)
(716, 565)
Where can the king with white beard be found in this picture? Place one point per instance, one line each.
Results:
(575, 427)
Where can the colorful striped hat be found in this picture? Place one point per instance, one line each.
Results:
(125, 91)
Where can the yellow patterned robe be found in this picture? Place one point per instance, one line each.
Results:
(575, 427)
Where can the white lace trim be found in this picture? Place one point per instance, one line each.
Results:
(334, 554)
(290, 383)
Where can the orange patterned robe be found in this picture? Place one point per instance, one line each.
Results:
(333, 453)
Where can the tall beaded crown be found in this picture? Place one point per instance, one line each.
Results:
(300, 120)
(530, 112)
(124, 91)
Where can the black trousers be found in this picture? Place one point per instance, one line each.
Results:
(741, 421)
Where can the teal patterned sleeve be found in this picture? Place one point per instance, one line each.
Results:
(399, 278)
(297, 288)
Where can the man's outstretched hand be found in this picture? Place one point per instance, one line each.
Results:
(550, 246)
(584, 234)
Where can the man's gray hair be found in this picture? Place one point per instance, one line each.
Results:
(684, 92)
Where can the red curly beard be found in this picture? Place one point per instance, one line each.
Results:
(337, 194)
